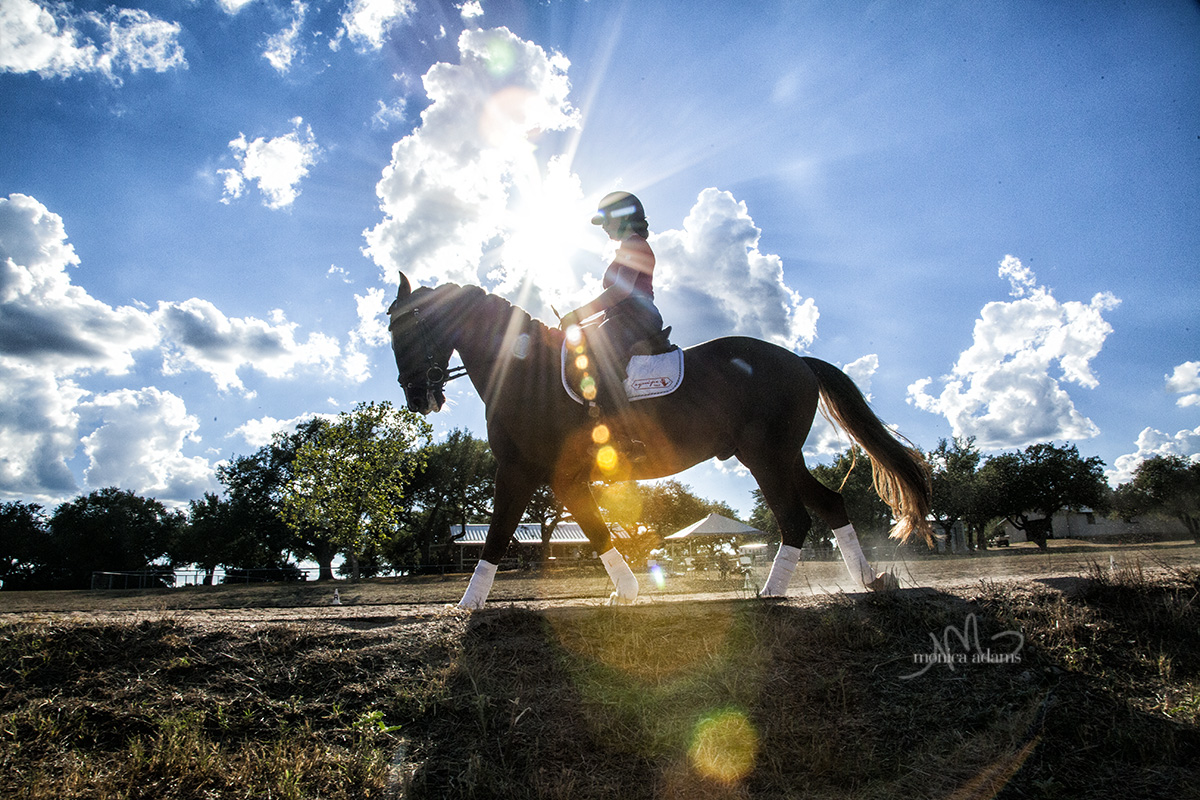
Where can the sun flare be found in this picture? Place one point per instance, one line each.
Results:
(549, 231)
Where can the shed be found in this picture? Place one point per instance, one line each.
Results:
(567, 542)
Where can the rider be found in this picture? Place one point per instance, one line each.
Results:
(627, 301)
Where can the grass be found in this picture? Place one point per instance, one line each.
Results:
(730, 698)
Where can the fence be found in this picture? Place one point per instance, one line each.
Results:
(169, 579)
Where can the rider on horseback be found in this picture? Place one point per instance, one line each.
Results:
(627, 302)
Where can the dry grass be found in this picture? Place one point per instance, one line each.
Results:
(718, 699)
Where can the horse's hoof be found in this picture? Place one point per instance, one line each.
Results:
(884, 582)
(615, 599)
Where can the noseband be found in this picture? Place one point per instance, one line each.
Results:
(436, 377)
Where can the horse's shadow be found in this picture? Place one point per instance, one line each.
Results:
(886, 696)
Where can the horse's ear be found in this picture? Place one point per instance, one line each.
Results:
(405, 287)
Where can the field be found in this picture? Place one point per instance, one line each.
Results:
(1073, 673)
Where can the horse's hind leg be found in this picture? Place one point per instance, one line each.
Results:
(832, 508)
(788, 490)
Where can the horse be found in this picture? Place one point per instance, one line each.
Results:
(740, 398)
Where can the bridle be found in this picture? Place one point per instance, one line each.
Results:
(436, 376)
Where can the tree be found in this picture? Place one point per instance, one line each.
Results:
(1167, 486)
(762, 518)
(108, 530)
(955, 485)
(850, 474)
(547, 512)
(454, 485)
(1042, 479)
(24, 545)
(352, 478)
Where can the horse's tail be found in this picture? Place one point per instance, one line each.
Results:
(900, 473)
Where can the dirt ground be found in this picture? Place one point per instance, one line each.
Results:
(415, 598)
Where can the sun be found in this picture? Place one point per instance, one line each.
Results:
(549, 233)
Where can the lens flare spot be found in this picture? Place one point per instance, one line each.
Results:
(606, 458)
(574, 335)
(724, 746)
(601, 434)
(581, 362)
(658, 576)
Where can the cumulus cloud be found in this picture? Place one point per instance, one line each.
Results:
(259, 432)
(827, 440)
(284, 47)
(196, 335)
(44, 318)
(1185, 380)
(367, 22)
(54, 335)
(454, 183)
(1150, 443)
(278, 165)
(138, 445)
(1007, 388)
(711, 279)
(54, 41)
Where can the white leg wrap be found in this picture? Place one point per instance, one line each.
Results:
(480, 585)
(852, 553)
(781, 571)
(622, 577)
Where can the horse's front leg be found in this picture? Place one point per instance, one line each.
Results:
(576, 495)
(514, 490)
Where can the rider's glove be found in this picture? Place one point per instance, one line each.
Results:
(568, 319)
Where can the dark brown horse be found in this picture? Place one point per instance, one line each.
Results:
(741, 398)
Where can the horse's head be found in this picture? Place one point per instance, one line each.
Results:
(422, 352)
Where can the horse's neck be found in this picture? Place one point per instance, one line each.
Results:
(487, 329)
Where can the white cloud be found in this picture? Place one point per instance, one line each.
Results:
(54, 42)
(138, 445)
(259, 432)
(38, 433)
(276, 164)
(233, 6)
(827, 440)
(285, 46)
(1185, 380)
(367, 22)
(196, 335)
(46, 320)
(53, 335)
(389, 114)
(453, 183)
(711, 279)
(1002, 390)
(1152, 442)
(471, 10)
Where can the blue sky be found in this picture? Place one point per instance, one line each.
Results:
(988, 215)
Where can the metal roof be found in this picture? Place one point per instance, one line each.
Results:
(715, 525)
(564, 533)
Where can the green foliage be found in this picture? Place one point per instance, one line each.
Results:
(111, 530)
(453, 485)
(24, 545)
(351, 478)
(850, 474)
(1168, 486)
(955, 483)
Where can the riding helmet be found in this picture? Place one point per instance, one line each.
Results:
(619, 205)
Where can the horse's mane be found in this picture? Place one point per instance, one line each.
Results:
(493, 313)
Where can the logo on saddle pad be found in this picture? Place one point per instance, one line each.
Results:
(647, 376)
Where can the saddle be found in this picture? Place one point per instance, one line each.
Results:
(655, 368)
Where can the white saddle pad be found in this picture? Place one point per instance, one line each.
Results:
(648, 376)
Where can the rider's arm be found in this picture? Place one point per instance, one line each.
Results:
(634, 256)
